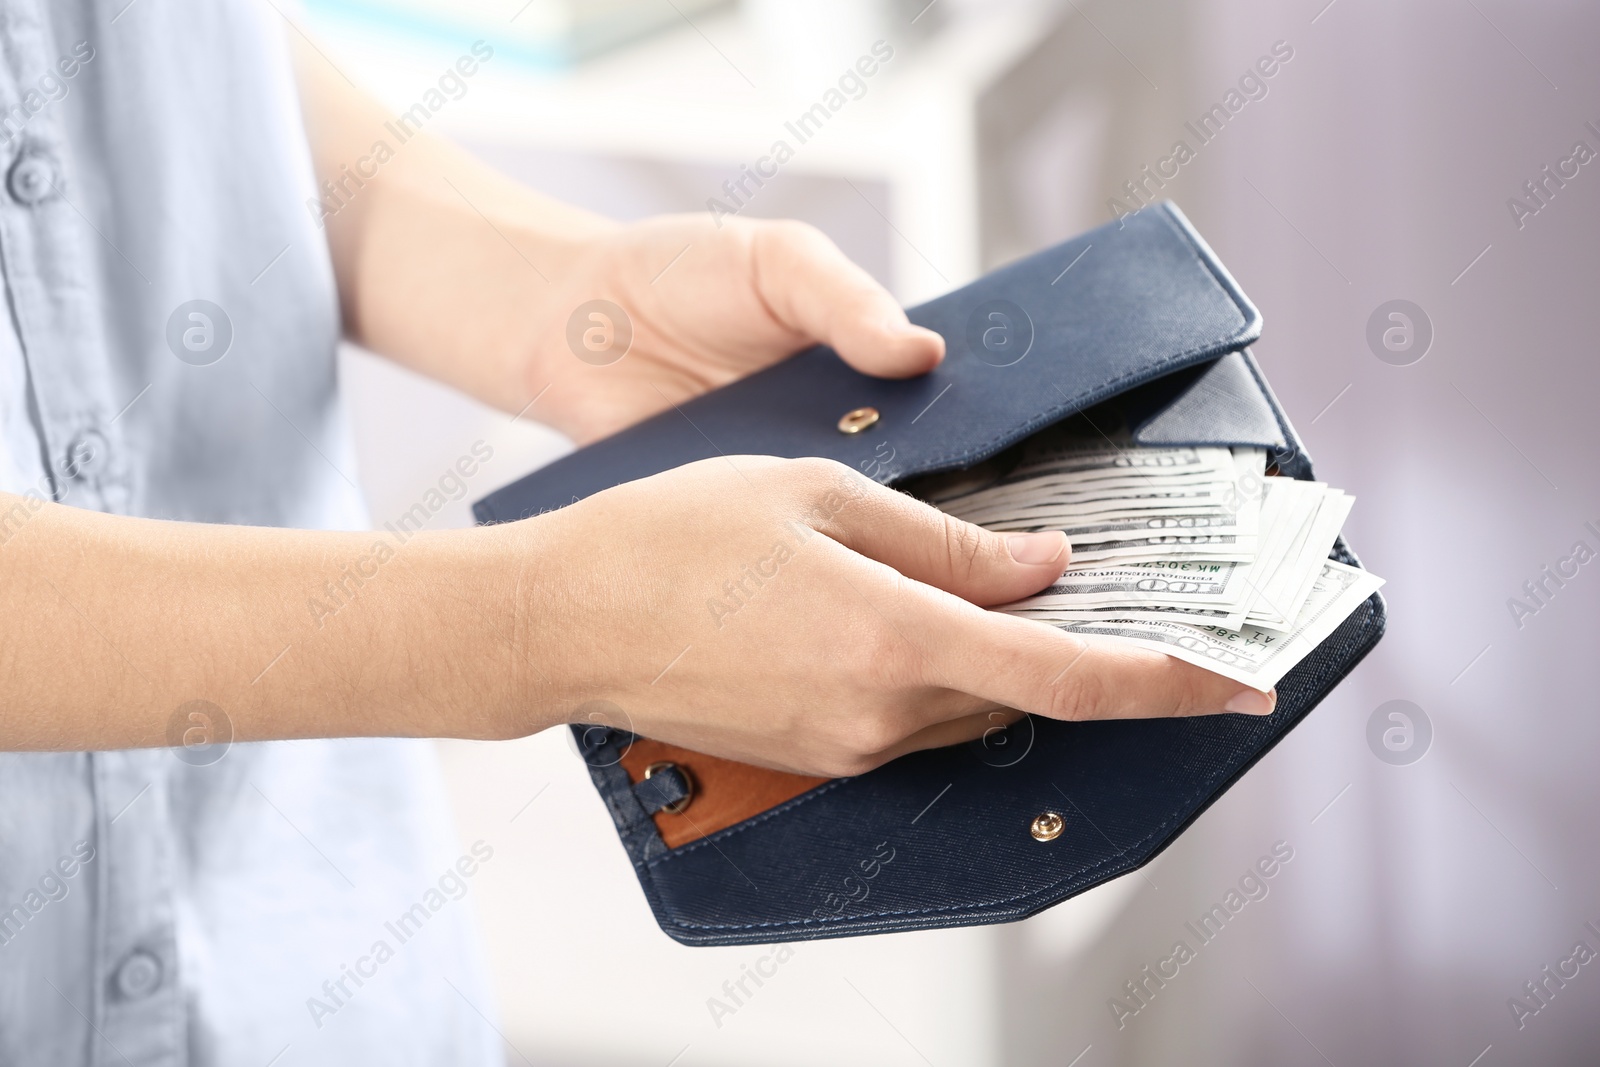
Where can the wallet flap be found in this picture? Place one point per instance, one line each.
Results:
(1027, 345)
(1223, 404)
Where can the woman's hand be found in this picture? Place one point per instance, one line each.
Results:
(460, 274)
(704, 305)
(463, 275)
(795, 614)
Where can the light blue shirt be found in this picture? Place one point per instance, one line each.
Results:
(156, 909)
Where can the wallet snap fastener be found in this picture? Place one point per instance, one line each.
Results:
(1047, 826)
(858, 420)
(677, 807)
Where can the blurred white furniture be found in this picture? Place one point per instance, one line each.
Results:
(712, 91)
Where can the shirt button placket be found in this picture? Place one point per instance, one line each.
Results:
(87, 475)
(139, 975)
(33, 177)
(85, 454)
(141, 1011)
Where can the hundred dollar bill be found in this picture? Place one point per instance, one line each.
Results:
(1285, 507)
(1212, 546)
(1139, 525)
(1317, 512)
(1034, 490)
(1194, 551)
(1251, 656)
(1222, 584)
(1113, 512)
(1233, 477)
(1044, 506)
(1065, 458)
(1332, 512)
(1288, 506)
(1227, 620)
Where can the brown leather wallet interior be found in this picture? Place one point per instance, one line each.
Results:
(725, 792)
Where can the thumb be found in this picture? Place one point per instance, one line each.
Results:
(815, 290)
(928, 546)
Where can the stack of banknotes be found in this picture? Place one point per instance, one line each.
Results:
(1195, 552)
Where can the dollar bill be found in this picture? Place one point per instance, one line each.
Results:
(1091, 509)
(1220, 584)
(1251, 656)
(1212, 546)
(1195, 551)
(1332, 512)
(1087, 456)
(1133, 526)
(1226, 619)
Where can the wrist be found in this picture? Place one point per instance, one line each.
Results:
(414, 635)
(489, 622)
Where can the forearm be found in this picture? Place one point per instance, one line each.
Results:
(116, 622)
(431, 248)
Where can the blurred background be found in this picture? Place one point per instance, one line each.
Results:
(1379, 162)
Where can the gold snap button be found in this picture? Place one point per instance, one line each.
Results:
(677, 807)
(1047, 826)
(858, 420)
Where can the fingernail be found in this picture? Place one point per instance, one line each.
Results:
(1252, 702)
(1036, 548)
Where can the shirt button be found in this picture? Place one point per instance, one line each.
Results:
(84, 455)
(139, 975)
(32, 178)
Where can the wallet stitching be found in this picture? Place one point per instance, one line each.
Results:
(1219, 274)
(947, 907)
(1175, 817)
(723, 835)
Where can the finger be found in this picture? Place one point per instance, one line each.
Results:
(814, 289)
(973, 727)
(1035, 667)
(925, 544)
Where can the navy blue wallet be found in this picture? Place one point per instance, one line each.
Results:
(1137, 322)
